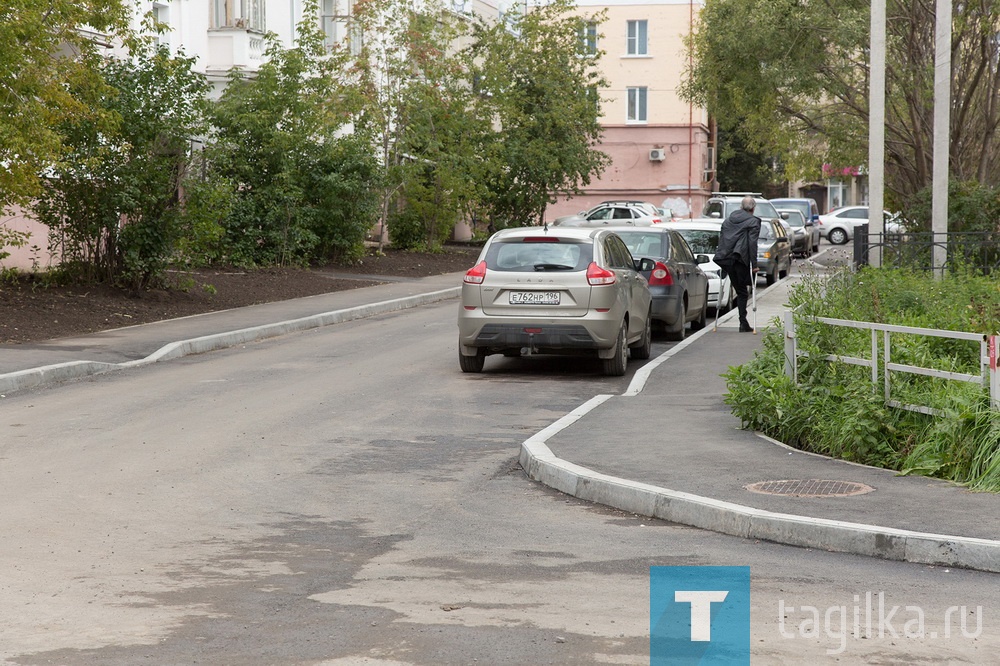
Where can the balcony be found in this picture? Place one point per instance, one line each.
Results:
(230, 47)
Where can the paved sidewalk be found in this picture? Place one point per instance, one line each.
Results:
(670, 447)
(27, 365)
(661, 449)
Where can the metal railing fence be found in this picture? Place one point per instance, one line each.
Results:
(914, 250)
(880, 361)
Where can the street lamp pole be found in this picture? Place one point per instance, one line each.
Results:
(876, 134)
(942, 120)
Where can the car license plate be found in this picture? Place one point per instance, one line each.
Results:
(534, 298)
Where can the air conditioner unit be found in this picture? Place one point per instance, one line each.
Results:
(657, 155)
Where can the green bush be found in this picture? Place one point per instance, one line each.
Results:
(836, 410)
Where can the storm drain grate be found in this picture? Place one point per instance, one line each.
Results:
(809, 488)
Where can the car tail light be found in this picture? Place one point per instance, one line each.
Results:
(661, 276)
(476, 274)
(657, 220)
(539, 239)
(597, 275)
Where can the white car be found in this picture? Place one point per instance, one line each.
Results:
(838, 225)
(614, 213)
(702, 236)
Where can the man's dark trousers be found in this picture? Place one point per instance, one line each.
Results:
(739, 275)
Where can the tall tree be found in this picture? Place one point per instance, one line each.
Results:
(414, 101)
(44, 52)
(112, 200)
(539, 90)
(302, 188)
(792, 78)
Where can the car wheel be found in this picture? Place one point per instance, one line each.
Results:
(615, 366)
(702, 319)
(675, 332)
(472, 363)
(837, 236)
(642, 349)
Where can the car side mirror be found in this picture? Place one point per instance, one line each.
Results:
(702, 258)
(809, 223)
(784, 216)
(645, 264)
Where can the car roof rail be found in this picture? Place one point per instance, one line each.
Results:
(737, 194)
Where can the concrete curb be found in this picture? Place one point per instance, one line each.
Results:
(541, 465)
(35, 377)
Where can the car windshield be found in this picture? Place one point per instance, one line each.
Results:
(522, 255)
(701, 241)
(765, 209)
(795, 220)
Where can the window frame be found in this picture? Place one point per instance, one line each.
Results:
(637, 37)
(637, 109)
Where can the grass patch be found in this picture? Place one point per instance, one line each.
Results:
(836, 410)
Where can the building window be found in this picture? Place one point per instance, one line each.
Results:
(637, 105)
(588, 38)
(161, 14)
(335, 17)
(247, 14)
(635, 40)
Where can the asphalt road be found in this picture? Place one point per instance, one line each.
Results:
(348, 496)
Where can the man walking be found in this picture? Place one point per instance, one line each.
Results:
(737, 254)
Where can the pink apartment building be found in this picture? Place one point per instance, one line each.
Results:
(659, 144)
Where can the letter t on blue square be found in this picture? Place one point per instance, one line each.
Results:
(699, 615)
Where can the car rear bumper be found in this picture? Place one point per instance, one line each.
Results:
(485, 331)
(561, 336)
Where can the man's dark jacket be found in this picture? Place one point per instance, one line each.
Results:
(738, 239)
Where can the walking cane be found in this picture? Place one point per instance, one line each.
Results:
(718, 301)
(753, 297)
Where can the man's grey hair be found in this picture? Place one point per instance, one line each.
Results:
(748, 204)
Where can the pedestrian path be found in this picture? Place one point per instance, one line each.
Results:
(670, 447)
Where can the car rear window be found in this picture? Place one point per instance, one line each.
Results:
(646, 245)
(701, 241)
(523, 255)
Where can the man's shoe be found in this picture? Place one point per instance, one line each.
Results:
(745, 327)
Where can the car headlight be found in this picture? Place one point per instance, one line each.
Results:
(765, 255)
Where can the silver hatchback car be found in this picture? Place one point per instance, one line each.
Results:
(555, 290)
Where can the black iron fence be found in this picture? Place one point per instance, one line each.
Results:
(915, 250)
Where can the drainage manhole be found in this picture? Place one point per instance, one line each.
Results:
(809, 488)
